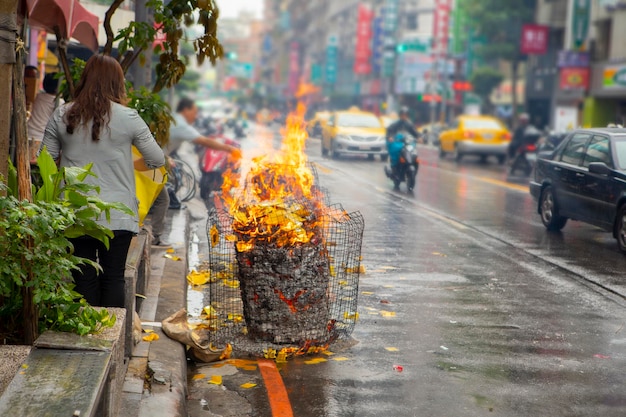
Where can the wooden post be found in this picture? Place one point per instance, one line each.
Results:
(29, 310)
(8, 31)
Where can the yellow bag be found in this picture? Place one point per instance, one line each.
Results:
(148, 185)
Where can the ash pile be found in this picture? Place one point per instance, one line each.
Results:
(285, 272)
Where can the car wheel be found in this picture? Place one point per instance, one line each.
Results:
(620, 228)
(384, 157)
(501, 159)
(549, 211)
(442, 153)
(458, 156)
(324, 150)
(370, 156)
(333, 153)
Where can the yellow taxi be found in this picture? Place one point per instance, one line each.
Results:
(316, 125)
(475, 135)
(354, 132)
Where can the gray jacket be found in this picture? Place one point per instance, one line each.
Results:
(111, 156)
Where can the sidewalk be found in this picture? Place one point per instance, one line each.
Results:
(164, 394)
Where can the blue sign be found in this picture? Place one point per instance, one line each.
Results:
(331, 64)
(377, 45)
(573, 59)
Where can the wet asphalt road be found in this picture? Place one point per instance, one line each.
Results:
(468, 307)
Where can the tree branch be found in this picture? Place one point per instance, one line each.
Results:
(129, 58)
(108, 47)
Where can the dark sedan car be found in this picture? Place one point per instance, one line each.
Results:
(584, 179)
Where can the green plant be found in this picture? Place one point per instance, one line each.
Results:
(154, 111)
(37, 254)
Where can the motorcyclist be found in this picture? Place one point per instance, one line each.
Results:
(518, 134)
(403, 124)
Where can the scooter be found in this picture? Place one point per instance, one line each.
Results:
(213, 165)
(526, 154)
(404, 161)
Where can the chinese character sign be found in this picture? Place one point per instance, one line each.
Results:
(363, 49)
(441, 26)
(534, 39)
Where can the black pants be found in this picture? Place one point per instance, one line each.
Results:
(105, 289)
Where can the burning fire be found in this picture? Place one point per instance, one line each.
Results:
(278, 201)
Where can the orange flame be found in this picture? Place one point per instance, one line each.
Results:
(278, 201)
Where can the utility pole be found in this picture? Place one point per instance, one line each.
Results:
(8, 34)
(142, 74)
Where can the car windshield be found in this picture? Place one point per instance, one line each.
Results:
(481, 124)
(620, 152)
(357, 120)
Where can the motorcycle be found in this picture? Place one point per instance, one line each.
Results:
(404, 161)
(526, 153)
(213, 165)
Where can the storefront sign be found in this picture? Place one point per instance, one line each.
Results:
(331, 59)
(614, 76)
(294, 67)
(534, 39)
(580, 22)
(574, 79)
(441, 26)
(573, 59)
(362, 49)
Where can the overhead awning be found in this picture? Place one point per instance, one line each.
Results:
(73, 20)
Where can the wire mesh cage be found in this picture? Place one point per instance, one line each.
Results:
(284, 290)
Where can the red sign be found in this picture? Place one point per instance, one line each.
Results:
(363, 49)
(462, 86)
(574, 78)
(534, 39)
(441, 26)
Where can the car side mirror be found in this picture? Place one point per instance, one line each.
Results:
(599, 168)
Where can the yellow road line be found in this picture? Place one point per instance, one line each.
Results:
(516, 187)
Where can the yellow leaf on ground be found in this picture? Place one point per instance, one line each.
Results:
(210, 312)
(151, 337)
(387, 313)
(315, 361)
(170, 250)
(248, 385)
(198, 278)
(327, 353)
(341, 358)
(147, 330)
(172, 257)
(232, 283)
(350, 316)
(216, 380)
(392, 349)
(367, 293)
(198, 376)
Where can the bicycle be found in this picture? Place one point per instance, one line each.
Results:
(182, 180)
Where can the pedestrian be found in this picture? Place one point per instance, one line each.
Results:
(43, 107)
(181, 131)
(97, 127)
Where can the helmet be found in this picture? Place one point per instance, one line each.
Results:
(404, 111)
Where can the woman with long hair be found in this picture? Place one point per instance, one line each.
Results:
(97, 127)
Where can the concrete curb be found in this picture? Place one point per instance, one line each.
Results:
(164, 391)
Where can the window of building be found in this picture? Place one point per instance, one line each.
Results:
(412, 21)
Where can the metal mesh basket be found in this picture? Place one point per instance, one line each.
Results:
(271, 295)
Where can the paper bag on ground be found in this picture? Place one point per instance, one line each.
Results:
(177, 327)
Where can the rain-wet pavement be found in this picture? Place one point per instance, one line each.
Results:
(467, 307)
